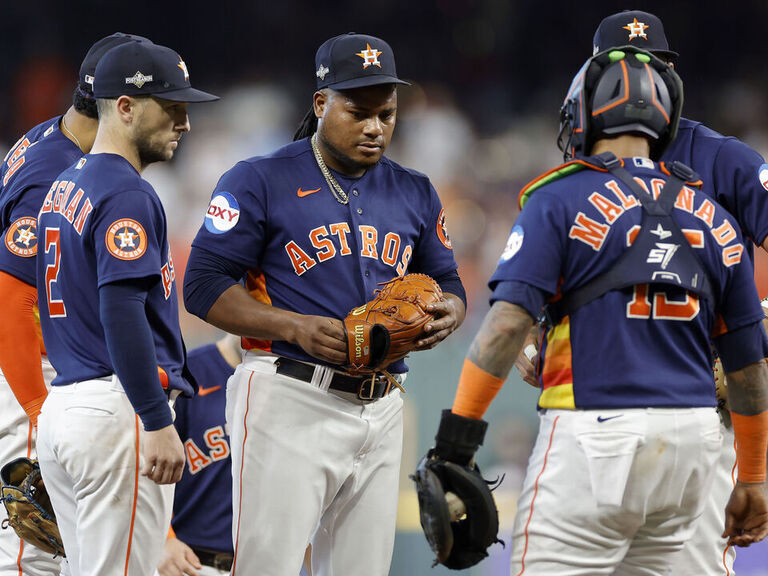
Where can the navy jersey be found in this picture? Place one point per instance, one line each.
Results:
(25, 177)
(308, 253)
(647, 345)
(733, 174)
(99, 223)
(199, 519)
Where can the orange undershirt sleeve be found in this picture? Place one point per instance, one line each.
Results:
(477, 389)
(20, 344)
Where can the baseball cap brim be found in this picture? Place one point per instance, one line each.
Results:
(665, 54)
(367, 81)
(186, 95)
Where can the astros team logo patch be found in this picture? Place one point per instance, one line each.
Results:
(442, 230)
(126, 239)
(763, 175)
(223, 213)
(21, 238)
(514, 243)
(370, 56)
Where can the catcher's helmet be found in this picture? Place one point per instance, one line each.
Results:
(621, 91)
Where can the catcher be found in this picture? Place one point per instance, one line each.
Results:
(28, 505)
(629, 437)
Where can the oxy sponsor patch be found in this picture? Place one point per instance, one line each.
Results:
(514, 243)
(762, 174)
(21, 237)
(126, 239)
(222, 214)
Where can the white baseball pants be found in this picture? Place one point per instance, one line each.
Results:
(707, 553)
(309, 465)
(112, 520)
(613, 491)
(17, 440)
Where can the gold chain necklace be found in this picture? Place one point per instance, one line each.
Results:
(341, 196)
(64, 125)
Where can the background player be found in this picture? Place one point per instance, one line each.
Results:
(202, 504)
(109, 316)
(614, 442)
(26, 174)
(316, 226)
(730, 171)
(201, 543)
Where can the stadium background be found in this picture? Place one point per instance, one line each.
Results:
(480, 120)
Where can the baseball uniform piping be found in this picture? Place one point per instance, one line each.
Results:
(535, 492)
(242, 466)
(135, 496)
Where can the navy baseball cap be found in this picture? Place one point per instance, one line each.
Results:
(633, 28)
(353, 61)
(144, 68)
(94, 54)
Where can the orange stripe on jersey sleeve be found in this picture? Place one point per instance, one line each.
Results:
(256, 284)
(557, 374)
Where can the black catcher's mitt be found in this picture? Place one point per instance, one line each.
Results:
(457, 510)
(26, 500)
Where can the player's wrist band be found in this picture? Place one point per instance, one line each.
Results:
(751, 434)
(477, 389)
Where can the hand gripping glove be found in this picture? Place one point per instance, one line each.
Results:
(456, 507)
(26, 500)
(387, 328)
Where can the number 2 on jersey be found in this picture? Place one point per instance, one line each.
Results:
(56, 308)
(661, 308)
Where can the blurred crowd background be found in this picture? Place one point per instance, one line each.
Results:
(480, 119)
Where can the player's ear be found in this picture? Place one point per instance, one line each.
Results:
(320, 100)
(125, 106)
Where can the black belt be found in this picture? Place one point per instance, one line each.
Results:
(370, 387)
(218, 560)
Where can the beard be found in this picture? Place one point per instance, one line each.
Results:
(350, 165)
(152, 148)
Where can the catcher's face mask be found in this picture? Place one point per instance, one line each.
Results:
(620, 91)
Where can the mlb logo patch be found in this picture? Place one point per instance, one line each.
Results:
(643, 162)
(223, 213)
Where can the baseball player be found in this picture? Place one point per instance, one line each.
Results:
(202, 505)
(628, 435)
(314, 228)
(26, 174)
(734, 175)
(108, 450)
(200, 542)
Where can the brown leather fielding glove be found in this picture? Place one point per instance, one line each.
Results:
(387, 328)
(26, 500)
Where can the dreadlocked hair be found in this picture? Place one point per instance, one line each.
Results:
(308, 125)
(84, 103)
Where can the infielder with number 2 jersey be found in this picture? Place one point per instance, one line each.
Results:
(108, 450)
